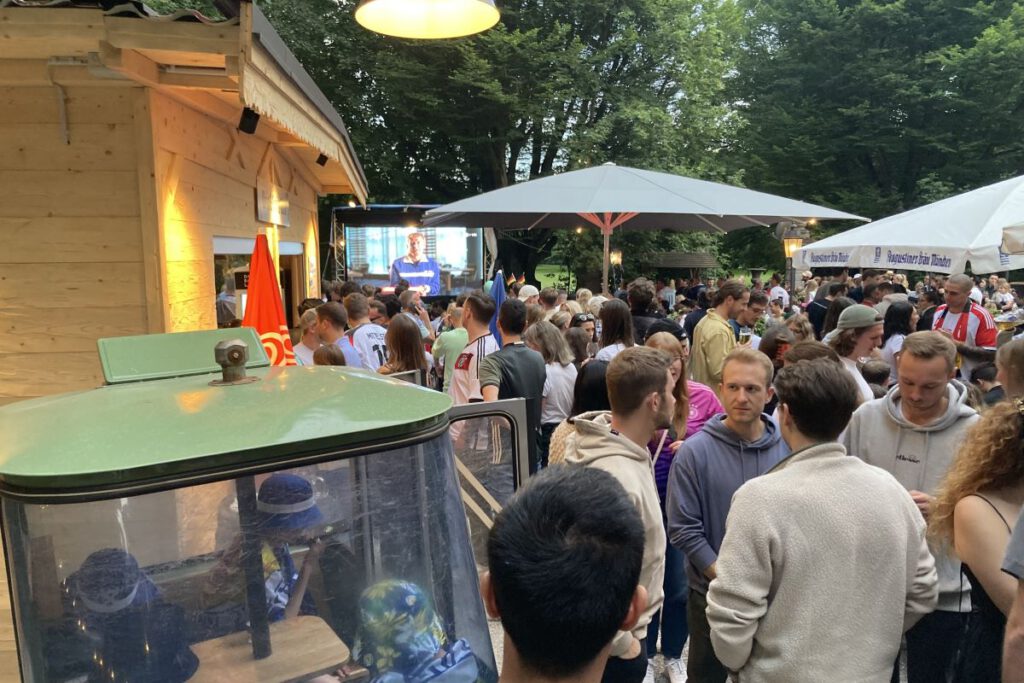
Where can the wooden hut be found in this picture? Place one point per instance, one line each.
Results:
(140, 154)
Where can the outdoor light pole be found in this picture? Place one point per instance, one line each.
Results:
(792, 241)
(615, 259)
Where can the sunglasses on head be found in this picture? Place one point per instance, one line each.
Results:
(583, 318)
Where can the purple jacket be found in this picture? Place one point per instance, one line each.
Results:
(703, 406)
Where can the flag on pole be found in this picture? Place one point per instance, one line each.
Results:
(511, 280)
(522, 279)
(498, 294)
(263, 309)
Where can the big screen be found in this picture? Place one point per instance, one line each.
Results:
(443, 261)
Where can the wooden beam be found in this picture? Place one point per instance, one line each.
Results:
(38, 33)
(130, 63)
(151, 210)
(178, 36)
(39, 72)
(195, 81)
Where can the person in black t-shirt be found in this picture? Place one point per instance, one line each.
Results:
(819, 307)
(516, 371)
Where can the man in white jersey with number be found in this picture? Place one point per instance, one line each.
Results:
(968, 324)
(465, 384)
(366, 336)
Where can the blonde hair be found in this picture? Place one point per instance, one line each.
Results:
(573, 307)
(309, 319)
(561, 319)
(990, 458)
(928, 345)
(594, 305)
(1010, 359)
(583, 296)
(549, 342)
(750, 357)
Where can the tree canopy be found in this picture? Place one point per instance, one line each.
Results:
(872, 106)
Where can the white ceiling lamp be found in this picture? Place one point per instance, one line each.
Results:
(427, 19)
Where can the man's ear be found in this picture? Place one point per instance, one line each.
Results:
(487, 593)
(636, 607)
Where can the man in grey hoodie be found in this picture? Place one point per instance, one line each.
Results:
(640, 388)
(708, 469)
(914, 433)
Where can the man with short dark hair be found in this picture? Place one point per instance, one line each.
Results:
(868, 277)
(929, 302)
(708, 469)
(914, 433)
(378, 313)
(515, 371)
(640, 297)
(366, 336)
(778, 590)
(713, 338)
(816, 309)
(778, 292)
(477, 312)
(640, 389)
(749, 317)
(559, 616)
(331, 323)
(548, 298)
(876, 292)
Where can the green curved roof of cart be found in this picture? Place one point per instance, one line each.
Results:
(134, 433)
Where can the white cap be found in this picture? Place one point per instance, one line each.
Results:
(527, 291)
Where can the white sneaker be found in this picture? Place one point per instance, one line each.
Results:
(675, 669)
(652, 674)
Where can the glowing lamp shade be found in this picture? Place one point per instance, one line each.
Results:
(427, 19)
(615, 258)
(791, 244)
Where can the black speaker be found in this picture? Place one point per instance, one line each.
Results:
(321, 160)
(250, 119)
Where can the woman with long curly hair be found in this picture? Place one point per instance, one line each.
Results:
(695, 404)
(975, 510)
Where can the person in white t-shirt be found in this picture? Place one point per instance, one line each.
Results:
(477, 312)
(858, 333)
(366, 336)
(310, 341)
(556, 406)
(778, 292)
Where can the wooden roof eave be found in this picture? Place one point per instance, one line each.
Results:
(216, 68)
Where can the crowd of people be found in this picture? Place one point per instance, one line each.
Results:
(729, 516)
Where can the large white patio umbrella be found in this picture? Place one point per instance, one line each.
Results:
(940, 237)
(611, 196)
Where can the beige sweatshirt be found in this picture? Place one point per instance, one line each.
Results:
(593, 444)
(824, 565)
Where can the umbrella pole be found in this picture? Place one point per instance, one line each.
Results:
(604, 272)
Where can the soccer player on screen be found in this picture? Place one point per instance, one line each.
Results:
(421, 271)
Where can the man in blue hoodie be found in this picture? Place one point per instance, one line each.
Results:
(709, 467)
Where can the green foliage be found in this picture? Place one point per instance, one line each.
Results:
(877, 106)
(556, 85)
(872, 106)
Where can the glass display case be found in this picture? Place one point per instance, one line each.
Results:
(302, 524)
